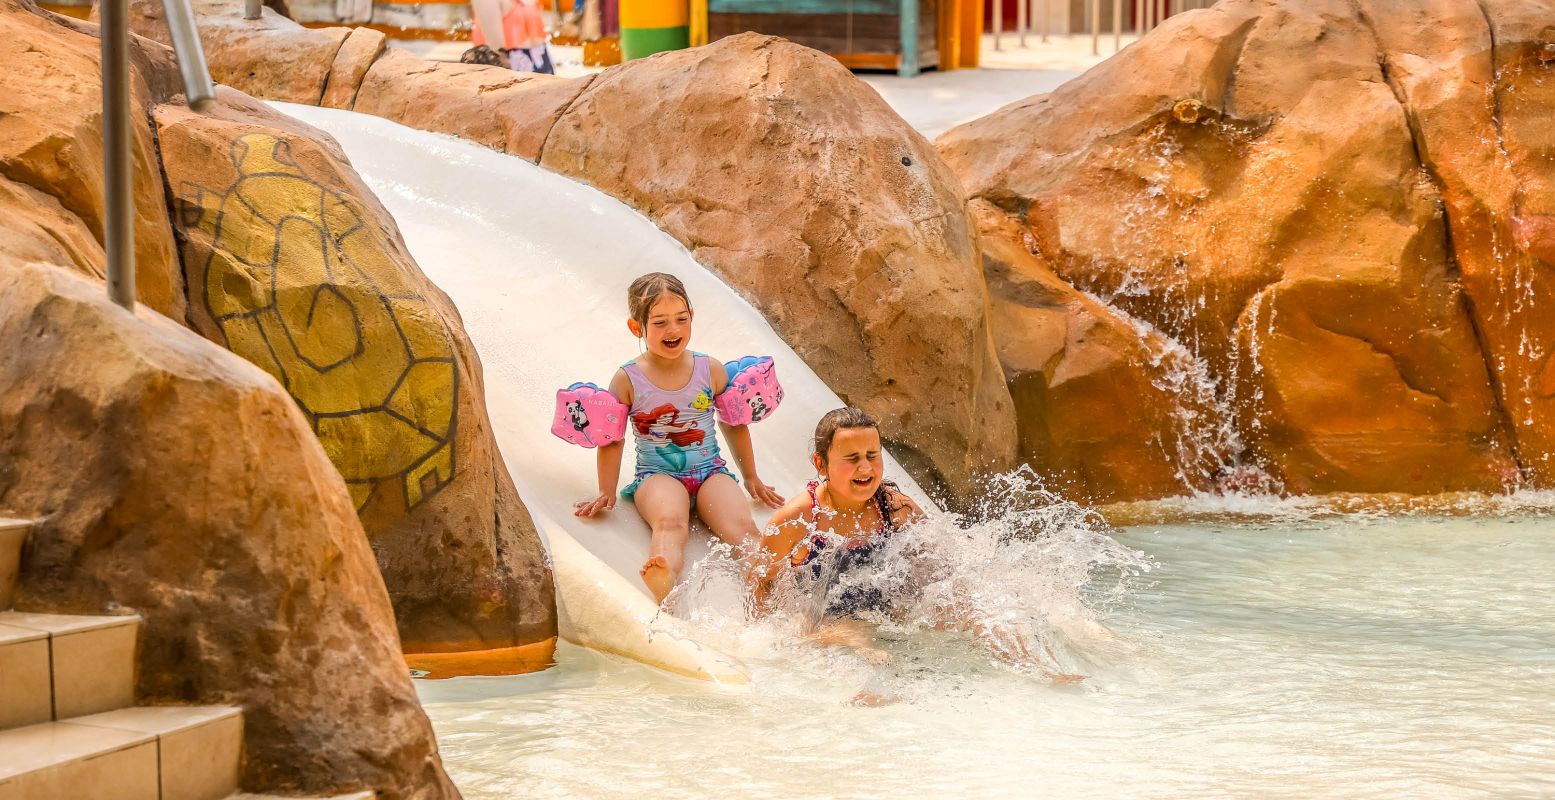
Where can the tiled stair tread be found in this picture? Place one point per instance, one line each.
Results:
(52, 743)
(10, 634)
(63, 623)
(157, 720)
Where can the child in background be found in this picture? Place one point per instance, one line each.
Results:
(523, 28)
(679, 467)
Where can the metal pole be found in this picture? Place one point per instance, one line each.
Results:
(998, 24)
(1095, 27)
(1047, 18)
(191, 55)
(1021, 22)
(118, 163)
(251, 8)
(1117, 25)
(907, 67)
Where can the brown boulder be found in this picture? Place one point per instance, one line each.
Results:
(293, 264)
(798, 185)
(499, 108)
(241, 552)
(1480, 92)
(1248, 184)
(51, 150)
(356, 56)
(270, 57)
(1107, 408)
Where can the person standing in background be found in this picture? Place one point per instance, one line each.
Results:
(523, 29)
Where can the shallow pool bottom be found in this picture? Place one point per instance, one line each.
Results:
(1345, 658)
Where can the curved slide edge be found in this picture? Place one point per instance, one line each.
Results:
(598, 609)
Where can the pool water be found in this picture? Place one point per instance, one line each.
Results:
(1343, 656)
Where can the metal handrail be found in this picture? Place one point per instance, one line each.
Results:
(1148, 15)
(118, 157)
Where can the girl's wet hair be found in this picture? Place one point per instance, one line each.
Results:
(646, 290)
(836, 420)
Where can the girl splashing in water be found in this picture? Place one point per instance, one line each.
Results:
(679, 466)
(839, 531)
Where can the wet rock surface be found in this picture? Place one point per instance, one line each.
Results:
(1253, 182)
(175, 480)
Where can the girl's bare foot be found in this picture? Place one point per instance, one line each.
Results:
(656, 574)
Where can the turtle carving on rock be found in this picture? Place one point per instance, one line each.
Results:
(300, 286)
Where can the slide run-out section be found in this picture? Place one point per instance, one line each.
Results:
(538, 265)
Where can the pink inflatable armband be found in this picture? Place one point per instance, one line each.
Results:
(588, 416)
(753, 392)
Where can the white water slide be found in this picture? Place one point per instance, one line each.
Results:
(538, 265)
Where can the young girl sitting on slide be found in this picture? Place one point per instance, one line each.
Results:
(840, 525)
(672, 393)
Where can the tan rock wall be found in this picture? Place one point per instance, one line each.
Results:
(1107, 409)
(175, 480)
(51, 153)
(1246, 181)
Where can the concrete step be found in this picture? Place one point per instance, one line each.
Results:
(13, 532)
(162, 753)
(198, 747)
(26, 692)
(64, 760)
(90, 666)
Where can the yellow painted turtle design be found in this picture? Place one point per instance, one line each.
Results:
(300, 286)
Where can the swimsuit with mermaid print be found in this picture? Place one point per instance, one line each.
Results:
(675, 430)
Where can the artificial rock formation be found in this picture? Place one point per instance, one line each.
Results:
(372, 352)
(51, 148)
(293, 264)
(1107, 409)
(1260, 183)
(176, 480)
(868, 268)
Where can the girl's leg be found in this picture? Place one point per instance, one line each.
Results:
(665, 505)
(722, 505)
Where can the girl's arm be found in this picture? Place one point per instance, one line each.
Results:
(783, 533)
(608, 463)
(739, 439)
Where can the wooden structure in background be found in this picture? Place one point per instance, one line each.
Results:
(902, 35)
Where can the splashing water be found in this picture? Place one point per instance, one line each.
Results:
(1025, 579)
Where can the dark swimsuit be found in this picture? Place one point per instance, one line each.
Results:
(858, 553)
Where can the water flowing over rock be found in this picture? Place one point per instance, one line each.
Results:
(176, 480)
(293, 264)
(1251, 180)
(1108, 408)
(780, 172)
